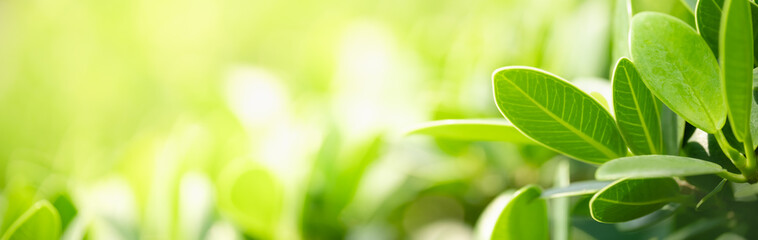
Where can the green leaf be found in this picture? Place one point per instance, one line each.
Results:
(523, 217)
(40, 222)
(622, 15)
(556, 114)
(473, 130)
(679, 68)
(655, 166)
(708, 19)
(252, 197)
(637, 110)
(575, 189)
(629, 199)
(736, 58)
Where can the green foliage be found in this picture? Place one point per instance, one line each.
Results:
(555, 113)
(629, 199)
(637, 110)
(41, 221)
(736, 59)
(523, 217)
(472, 130)
(702, 78)
(655, 166)
(678, 67)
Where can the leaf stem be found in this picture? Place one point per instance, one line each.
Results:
(733, 154)
(732, 177)
(750, 164)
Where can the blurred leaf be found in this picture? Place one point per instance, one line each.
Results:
(655, 166)
(679, 68)
(622, 16)
(19, 196)
(575, 189)
(487, 220)
(524, 217)
(66, 209)
(696, 228)
(730, 236)
(560, 207)
(252, 197)
(736, 59)
(651, 219)
(690, 4)
(676, 8)
(708, 18)
(40, 222)
(637, 110)
(629, 199)
(555, 113)
(473, 130)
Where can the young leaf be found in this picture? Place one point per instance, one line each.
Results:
(473, 130)
(708, 19)
(637, 110)
(575, 189)
(679, 68)
(524, 217)
(555, 113)
(736, 58)
(655, 166)
(41, 222)
(629, 199)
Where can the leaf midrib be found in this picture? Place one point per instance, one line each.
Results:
(639, 113)
(605, 150)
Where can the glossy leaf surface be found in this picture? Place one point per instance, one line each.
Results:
(629, 199)
(655, 166)
(40, 222)
(524, 217)
(637, 110)
(472, 130)
(736, 59)
(679, 68)
(555, 113)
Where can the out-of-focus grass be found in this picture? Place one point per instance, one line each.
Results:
(195, 119)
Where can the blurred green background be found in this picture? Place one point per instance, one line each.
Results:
(239, 119)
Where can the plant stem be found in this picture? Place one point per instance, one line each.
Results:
(733, 154)
(750, 164)
(733, 177)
